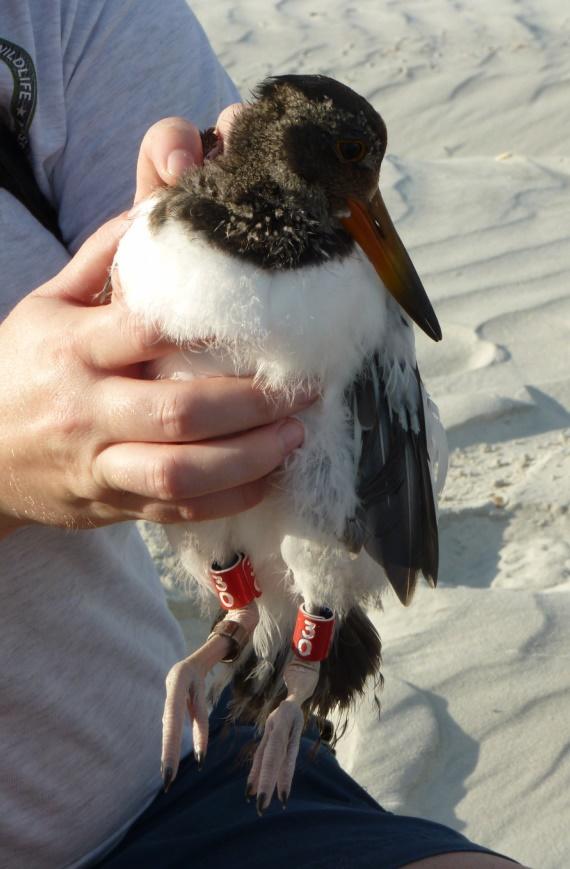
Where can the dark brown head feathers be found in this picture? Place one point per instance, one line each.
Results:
(275, 196)
(320, 90)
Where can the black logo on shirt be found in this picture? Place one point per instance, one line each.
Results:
(25, 93)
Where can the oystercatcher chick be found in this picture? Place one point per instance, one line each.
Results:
(278, 259)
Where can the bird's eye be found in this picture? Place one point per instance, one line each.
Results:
(351, 150)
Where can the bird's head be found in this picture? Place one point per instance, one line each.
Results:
(312, 134)
(312, 130)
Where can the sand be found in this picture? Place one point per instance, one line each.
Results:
(475, 721)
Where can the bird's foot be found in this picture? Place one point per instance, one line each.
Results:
(185, 694)
(186, 687)
(276, 755)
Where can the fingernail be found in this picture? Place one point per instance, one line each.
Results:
(291, 434)
(284, 797)
(199, 755)
(167, 778)
(261, 805)
(178, 162)
(248, 792)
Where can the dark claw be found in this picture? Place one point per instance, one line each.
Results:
(167, 775)
(327, 730)
(199, 755)
(261, 805)
(248, 792)
(284, 797)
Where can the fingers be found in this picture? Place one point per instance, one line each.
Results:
(216, 506)
(110, 337)
(177, 472)
(226, 119)
(175, 411)
(85, 275)
(169, 148)
(172, 146)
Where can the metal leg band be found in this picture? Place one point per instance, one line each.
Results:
(236, 634)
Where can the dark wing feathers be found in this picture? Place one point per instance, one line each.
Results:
(396, 522)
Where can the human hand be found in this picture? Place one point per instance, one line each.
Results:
(85, 440)
(186, 694)
(172, 146)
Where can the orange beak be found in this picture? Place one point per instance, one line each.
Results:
(370, 226)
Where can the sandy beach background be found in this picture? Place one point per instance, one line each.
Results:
(475, 725)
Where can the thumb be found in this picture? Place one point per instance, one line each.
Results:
(225, 120)
(169, 148)
(84, 277)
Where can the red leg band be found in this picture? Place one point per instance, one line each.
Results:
(235, 585)
(313, 635)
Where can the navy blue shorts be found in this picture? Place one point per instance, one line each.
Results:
(204, 820)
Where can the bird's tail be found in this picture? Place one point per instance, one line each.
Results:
(355, 657)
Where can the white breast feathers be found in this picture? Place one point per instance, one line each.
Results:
(286, 327)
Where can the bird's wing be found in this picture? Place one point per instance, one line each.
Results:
(396, 521)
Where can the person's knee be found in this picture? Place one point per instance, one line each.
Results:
(463, 860)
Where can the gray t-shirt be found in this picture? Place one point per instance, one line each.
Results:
(86, 637)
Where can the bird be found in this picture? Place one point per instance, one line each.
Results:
(277, 259)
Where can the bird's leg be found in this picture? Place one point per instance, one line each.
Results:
(276, 755)
(186, 681)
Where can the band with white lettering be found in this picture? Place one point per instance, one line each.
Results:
(313, 634)
(235, 585)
